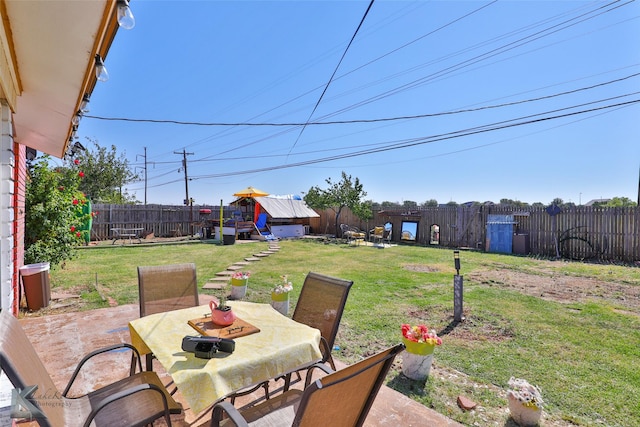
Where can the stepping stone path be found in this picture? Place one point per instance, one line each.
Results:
(222, 277)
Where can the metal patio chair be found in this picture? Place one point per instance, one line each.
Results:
(165, 288)
(352, 234)
(320, 305)
(340, 399)
(135, 400)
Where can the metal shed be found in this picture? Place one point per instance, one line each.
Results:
(500, 233)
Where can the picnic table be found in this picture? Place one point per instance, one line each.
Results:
(126, 233)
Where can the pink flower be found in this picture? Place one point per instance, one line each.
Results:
(75, 202)
(78, 234)
(76, 162)
(73, 228)
(240, 275)
(81, 174)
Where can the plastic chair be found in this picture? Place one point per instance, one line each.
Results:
(263, 229)
(136, 400)
(341, 399)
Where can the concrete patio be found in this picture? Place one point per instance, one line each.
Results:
(61, 340)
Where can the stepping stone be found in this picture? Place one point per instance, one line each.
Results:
(274, 247)
(219, 279)
(261, 255)
(224, 273)
(241, 263)
(213, 285)
(61, 296)
(269, 252)
(252, 259)
(234, 267)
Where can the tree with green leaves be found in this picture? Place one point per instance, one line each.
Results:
(106, 173)
(389, 205)
(348, 192)
(618, 202)
(54, 214)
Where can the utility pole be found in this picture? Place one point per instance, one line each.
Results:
(145, 174)
(187, 201)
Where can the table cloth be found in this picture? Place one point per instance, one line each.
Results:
(281, 346)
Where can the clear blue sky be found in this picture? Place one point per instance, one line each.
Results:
(472, 71)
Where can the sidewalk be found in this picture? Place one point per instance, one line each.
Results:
(61, 340)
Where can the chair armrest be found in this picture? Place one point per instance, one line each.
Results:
(142, 420)
(234, 415)
(327, 370)
(86, 358)
(326, 352)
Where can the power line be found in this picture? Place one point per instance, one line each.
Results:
(425, 140)
(375, 120)
(332, 75)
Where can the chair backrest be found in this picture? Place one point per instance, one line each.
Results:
(321, 303)
(167, 287)
(20, 362)
(345, 397)
(378, 232)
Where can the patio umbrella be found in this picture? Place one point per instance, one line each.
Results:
(250, 193)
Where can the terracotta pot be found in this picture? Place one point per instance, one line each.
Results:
(221, 316)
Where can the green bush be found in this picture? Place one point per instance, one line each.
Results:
(53, 213)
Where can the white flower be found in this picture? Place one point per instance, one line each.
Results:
(283, 287)
(525, 393)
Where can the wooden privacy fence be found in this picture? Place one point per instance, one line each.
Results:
(161, 220)
(581, 232)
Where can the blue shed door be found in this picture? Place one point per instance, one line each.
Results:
(500, 233)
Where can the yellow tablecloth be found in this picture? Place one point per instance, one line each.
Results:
(281, 346)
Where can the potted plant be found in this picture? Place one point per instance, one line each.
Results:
(525, 402)
(221, 314)
(280, 295)
(239, 282)
(419, 342)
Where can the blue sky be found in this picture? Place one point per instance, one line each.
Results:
(446, 100)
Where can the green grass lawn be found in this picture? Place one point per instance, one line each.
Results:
(584, 354)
